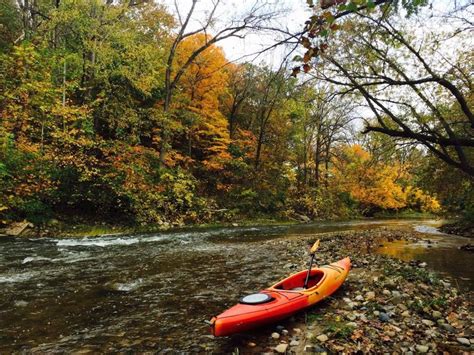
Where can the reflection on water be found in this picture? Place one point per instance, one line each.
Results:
(152, 292)
(441, 253)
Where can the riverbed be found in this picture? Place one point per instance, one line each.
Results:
(154, 291)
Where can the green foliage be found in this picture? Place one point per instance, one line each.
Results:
(82, 123)
(10, 24)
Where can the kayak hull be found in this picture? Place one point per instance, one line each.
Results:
(287, 298)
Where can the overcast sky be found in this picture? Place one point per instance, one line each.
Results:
(293, 14)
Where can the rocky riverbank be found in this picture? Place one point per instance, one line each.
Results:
(385, 305)
(462, 228)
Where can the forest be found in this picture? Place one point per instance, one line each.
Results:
(131, 112)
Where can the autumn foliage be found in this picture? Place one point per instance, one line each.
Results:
(82, 120)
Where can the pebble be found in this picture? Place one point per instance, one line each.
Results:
(322, 338)
(294, 343)
(359, 298)
(463, 341)
(376, 313)
(284, 332)
(370, 295)
(427, 322)
(351, 317)
(448, 327)
(386, 292)
(275, 335)
(251, 345)
(297, 330)
(281, 348)
(384, 317)
(436, 314)
(352, 324)
(406, 314)
(422, 348)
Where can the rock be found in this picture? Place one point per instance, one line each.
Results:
(384, 317)
(16, 228)
(235, 224)
(436, 314)
(386, 292)
(251, 345)
(423, 264)
(422, 348)
(279, 328)
(406, 314)
(396, 293)
(294, 343)
(284, 332)
(402, 307)
(314, 349)
(427, 322)
(281, 348)
(21, 303)
(467, 247)
(447, 327)
(352, 324)
(275, 335)
(376, 313)
(302, 218)
(53, 222)
(297, 330)
(370, 296)
(322, 338)
(359, 298)
(463, 341)
(351, 317)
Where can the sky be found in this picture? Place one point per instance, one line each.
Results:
(292, 15)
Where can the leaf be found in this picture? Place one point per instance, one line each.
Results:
(352, 7)
(306, 68)
(305, 42)
(295, 71)
(297, 58)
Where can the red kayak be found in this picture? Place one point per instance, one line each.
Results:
(282, 299)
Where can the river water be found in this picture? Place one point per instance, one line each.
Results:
(152, 292)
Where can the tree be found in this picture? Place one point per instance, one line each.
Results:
(202, 86)
(237, 27)
(413, 92)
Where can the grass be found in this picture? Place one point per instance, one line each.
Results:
(339, 330)
(413, 274)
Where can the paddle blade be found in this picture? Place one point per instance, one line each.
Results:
(314, 247)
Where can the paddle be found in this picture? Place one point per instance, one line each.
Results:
(312, 252)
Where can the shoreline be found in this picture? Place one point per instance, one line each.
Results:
(69, 229)
(385, 305)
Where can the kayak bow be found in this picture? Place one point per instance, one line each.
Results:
(282, 299)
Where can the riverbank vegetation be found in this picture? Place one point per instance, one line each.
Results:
(120, 111)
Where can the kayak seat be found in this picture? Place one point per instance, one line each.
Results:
(296, 282)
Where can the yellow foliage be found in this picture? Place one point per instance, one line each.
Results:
(203, 83)
(375, 184)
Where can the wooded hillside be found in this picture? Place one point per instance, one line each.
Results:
(120, 111)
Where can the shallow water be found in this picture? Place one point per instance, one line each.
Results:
(152, 292)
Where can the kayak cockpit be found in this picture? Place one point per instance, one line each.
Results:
(296, 282)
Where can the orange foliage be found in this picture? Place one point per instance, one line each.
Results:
(375, 184)
(203, 84)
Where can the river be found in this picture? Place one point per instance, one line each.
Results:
(144, 292)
